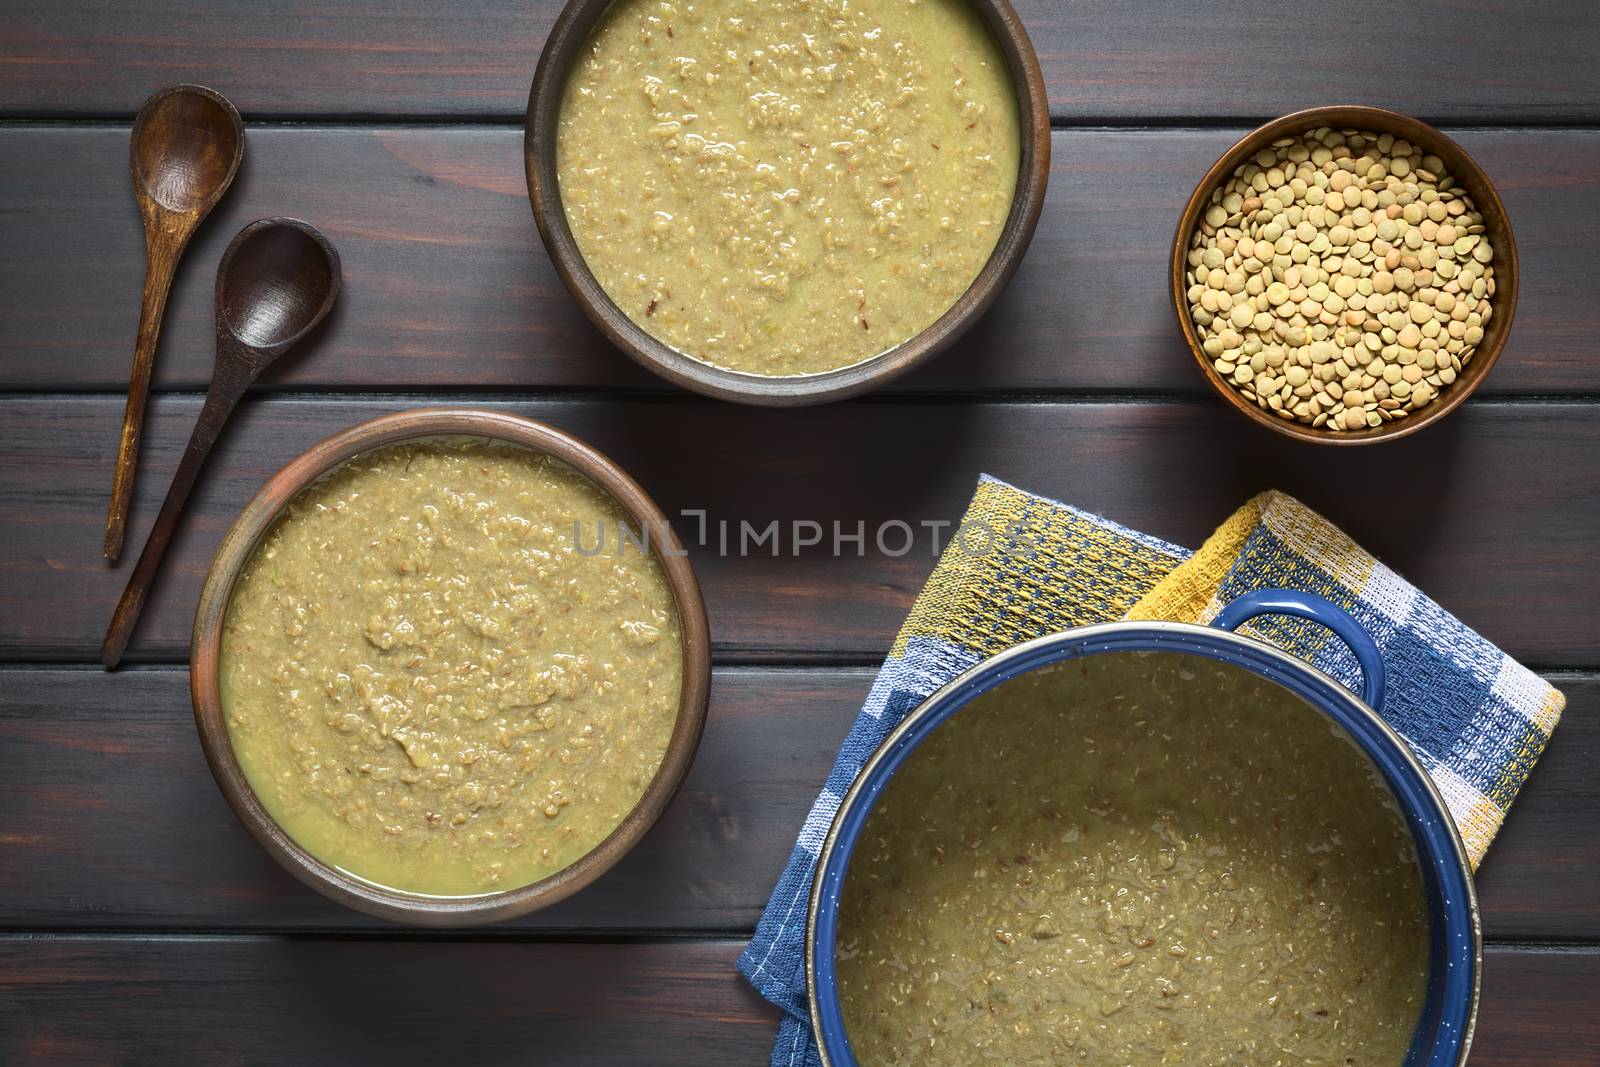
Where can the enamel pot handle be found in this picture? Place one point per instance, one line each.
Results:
(1313, 607)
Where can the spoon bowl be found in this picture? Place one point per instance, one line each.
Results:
(187, 144)
(277, 281)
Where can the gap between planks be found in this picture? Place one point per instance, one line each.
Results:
(507, 120)
(668, 395)
(569, 936)
(1555, 675)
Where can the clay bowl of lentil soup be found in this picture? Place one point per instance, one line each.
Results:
(449, 666)
(1148, 842)
(786, 203)
(1345, 275)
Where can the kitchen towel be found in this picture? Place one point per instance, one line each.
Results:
(1021, 566)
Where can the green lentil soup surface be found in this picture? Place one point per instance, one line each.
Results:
(1134, 859)
(429, 686)
(792, 186)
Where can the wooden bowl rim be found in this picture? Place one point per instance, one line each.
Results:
(1467, 173)
(239, 545)
(562, 48)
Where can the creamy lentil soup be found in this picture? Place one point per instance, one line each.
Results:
(429, 686)
(791, 186)
(1139, 859)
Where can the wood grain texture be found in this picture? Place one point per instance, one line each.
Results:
(448, 284)
(276, 1001)
(99, 767)
(1538, 1009)
(639, 1004)
(1102, 59)
(1480, 512)
(115, 821)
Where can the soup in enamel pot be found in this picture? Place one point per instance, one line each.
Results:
(1135, 858)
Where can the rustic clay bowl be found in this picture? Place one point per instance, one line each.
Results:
(240, 544)
(561, 50)
(1468, 175)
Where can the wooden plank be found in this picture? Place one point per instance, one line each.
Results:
(113, 820)
(99, 768)
(1538, 1009)
(448, 285)
(187, 1000)
(1102, 59)
(1481, 512)
(300, 1002)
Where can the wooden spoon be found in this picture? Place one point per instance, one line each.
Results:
(187, 144)
(277, 280)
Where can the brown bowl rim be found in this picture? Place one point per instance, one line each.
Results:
(1466, 172)
(561, 49)
(239, 545)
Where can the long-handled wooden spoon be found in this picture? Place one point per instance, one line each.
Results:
(187, 144)
(277, 280)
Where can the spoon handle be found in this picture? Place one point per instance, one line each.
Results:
(221, 398)
(163, 247)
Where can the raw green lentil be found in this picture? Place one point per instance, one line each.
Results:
(1372, 257)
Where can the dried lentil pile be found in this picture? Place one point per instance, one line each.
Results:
(1340, 278)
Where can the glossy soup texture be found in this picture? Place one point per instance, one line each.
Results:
(789, 186)
(428, 685)
(1134, 859)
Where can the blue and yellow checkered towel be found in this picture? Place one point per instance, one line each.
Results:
(1476, 719)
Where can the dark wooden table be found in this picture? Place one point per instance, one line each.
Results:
(140, 923)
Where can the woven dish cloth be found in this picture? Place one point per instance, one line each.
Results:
(1476, 719)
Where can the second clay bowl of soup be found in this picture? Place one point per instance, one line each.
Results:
(790, 202)
(1147, 842)
(449, 666)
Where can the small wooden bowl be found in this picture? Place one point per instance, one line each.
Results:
(1468, 175)
(561, 51)
(240, 544)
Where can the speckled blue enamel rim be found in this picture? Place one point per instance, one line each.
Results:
(1444, 1030)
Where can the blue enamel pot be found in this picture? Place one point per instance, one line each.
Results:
(1444, 1029)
